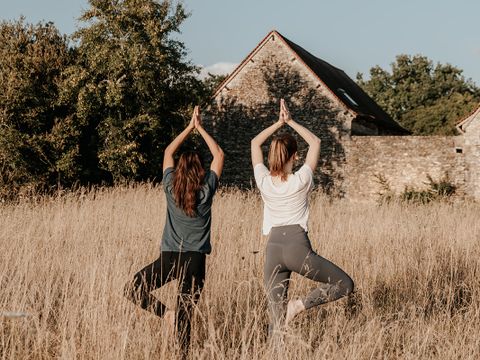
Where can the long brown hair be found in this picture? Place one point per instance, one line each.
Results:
(188, 180)
(282, 148)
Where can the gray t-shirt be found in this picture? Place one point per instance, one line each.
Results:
(182, 232)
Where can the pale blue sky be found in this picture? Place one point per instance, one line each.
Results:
(351, 34)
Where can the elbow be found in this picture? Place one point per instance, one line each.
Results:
(315, 144)
(168, 151)
(220, 155)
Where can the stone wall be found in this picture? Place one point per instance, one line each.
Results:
(250, 102)
(471, 151)
(403, 161)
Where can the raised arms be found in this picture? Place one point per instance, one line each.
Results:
(285, 118)
(172, 148)
(217, 152)
(312, 140)
(257, 141)
(195, 123)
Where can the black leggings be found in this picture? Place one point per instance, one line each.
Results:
(189, 268)
(289, 249)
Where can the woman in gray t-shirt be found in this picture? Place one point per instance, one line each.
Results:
(189, 190)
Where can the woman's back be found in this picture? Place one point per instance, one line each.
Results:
(285, 202)
(183, 232)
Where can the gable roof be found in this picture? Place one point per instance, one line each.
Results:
(463, 124)
(342, 87)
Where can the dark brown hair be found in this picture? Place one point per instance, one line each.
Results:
(189, 176)
(282, 148)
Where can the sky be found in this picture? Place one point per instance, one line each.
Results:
(353, 35)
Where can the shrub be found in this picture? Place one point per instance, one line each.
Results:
(436, 191)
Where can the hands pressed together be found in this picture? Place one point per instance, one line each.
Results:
(284, 117)
(196, 121)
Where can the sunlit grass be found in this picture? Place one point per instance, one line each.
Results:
(64, 262)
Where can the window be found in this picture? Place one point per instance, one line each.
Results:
(348, 97)
(459, 150)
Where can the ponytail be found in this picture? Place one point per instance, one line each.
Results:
(282, 149)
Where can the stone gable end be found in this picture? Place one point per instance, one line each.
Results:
(250, 87)
(249, 101)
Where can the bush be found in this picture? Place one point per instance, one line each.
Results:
(436, 191)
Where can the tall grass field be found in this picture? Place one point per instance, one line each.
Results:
(64, 261)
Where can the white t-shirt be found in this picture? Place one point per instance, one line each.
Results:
(286, 202)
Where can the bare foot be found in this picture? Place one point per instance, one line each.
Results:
(294, 308)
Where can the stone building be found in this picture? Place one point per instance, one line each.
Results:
(470, 147)
(360, 142)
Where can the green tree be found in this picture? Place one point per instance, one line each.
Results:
(423, 98)
(211, 83)
(33, 154)
(131, 86)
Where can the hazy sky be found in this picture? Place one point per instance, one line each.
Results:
(353, 35)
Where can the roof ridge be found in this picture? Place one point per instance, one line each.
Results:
(465, 120)
(348, 81)
(475, 109)
(342, 89)
(287, 41)
(244, 61)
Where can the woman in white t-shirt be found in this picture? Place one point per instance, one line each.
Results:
(285, 217)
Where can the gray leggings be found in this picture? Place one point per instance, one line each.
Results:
(289, 249)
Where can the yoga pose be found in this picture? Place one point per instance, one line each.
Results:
(189, 190)
(285, 216)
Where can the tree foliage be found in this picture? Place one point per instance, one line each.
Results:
(98, 107)
(33, 153)
(425, 98)
(131, 85)
(211, 83)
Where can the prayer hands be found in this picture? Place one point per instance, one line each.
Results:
(196, 120)
(285, 116)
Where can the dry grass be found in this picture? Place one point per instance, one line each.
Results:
(65, 261)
